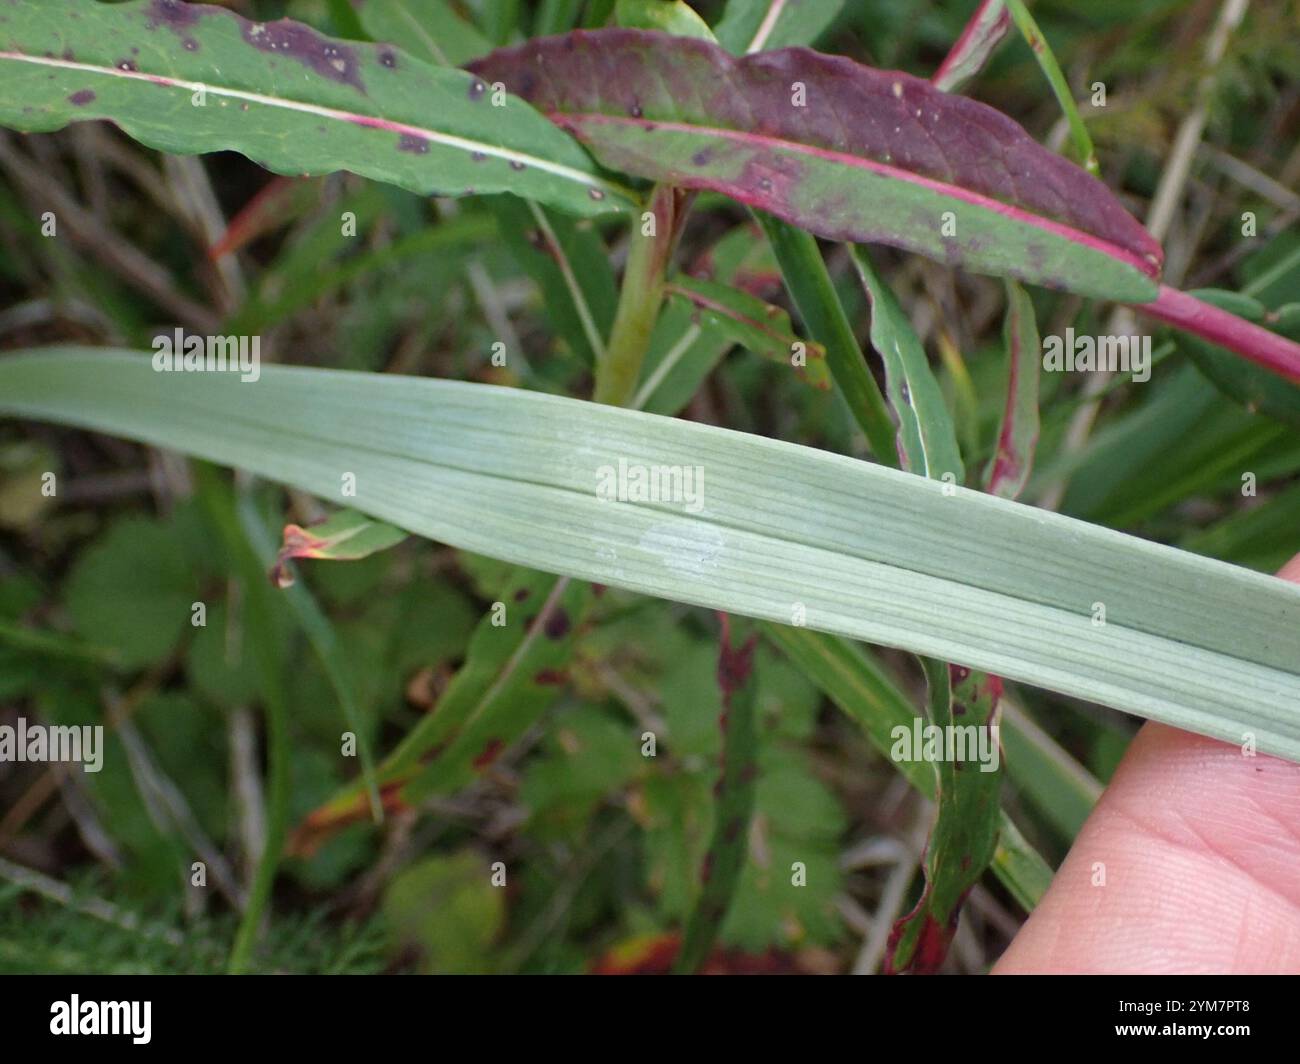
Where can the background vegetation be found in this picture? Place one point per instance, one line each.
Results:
(602, 846)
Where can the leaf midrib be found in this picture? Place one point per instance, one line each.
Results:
(353, 118)
(568, 119)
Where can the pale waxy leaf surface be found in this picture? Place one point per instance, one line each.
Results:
(868, 552)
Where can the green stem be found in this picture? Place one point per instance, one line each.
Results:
(219, 502)
(1056, 78)
(653, 236)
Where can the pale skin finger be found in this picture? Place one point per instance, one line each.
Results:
(1190, 863)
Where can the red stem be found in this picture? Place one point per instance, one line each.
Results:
(1268, 349)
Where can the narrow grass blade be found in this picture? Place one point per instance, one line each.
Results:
(813, 291)
(965, 833)
(1013, 457)
(927, 440)
(856, 683)
(978, 41)
(1060, 87)
(753, 25)
(733, 806)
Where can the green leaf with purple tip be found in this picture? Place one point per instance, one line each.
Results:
(839, 149)
(190, 78)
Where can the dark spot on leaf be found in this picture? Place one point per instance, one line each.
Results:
(515, 164)
(551, 677)
(635, 110)
(190, 44)
(477, 89)
(959, 709)
(595, 193)
(522, 594)
(489, 753)
(701, 157)
(330, 59)
(70, 56)
(410, 142)
(82, 97)
(477, 156)
(174, 14)
(557, 624)
(388, 58)
(126, 64)
(733, 829)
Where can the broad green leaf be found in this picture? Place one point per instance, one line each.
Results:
(734, 796)
(343, 536)
(131, 592)
(927, 440)
(445, 909)
(192, 78)
(428, 29)
(1018, 431)
(841, 150)
(759, 327)
(775, 530)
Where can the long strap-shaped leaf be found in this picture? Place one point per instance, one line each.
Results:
(784, 531)
(839, 149)
(196, 78)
